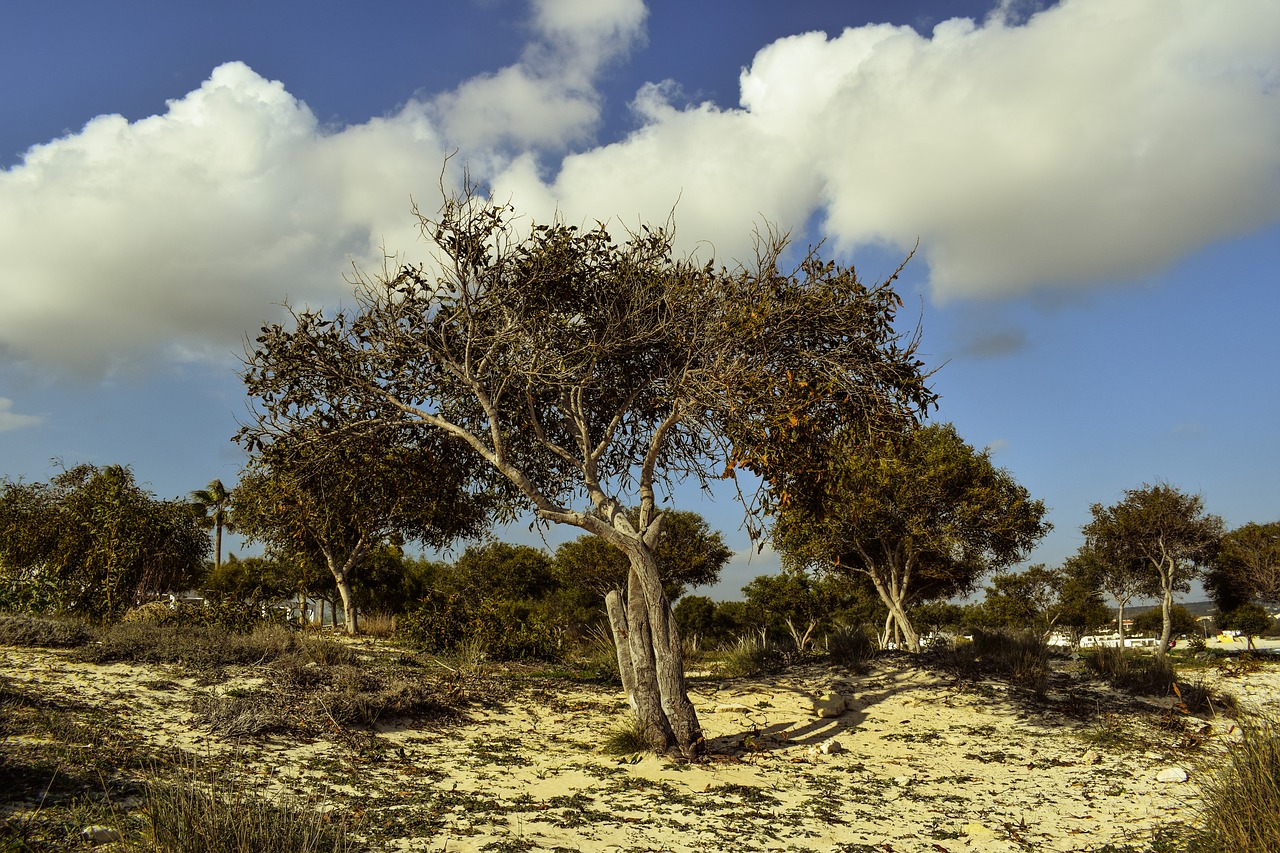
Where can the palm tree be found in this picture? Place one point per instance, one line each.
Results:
(212, 505)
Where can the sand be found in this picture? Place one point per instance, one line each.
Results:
(924, 762)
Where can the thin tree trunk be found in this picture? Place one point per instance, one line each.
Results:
(217, 546)
(1120, 623)
(617, 612)
(1166, 630)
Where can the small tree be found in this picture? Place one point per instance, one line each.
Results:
(1152, 622)
(334, 497)
(588, 376)
(1251, 620)
(1025, 600)
(922, 514)
(1158, 533)
(792, 600)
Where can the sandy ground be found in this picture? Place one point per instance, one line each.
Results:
(919, 762)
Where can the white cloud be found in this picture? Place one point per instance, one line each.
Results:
(1098, 140)
(11, 420)
(181, 230)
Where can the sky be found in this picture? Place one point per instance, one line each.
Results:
(1093, 186)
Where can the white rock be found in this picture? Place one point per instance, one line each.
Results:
(1172, 774)
(100, 834)
(831, 747)
(830, 705)
(1090, 757)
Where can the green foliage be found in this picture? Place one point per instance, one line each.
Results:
(503, 629)
(1159, 537)
(1251, 620)
(1246, 567)
(750, 656)
(212, 507)
(93, 543)
(689, 554)
(919, 512)
(1152, 622)
(1020, 658)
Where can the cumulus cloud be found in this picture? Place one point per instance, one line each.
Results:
(1095, 140)
(178, 232)
(1089, 141)
(11, 420)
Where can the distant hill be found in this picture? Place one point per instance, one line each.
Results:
(1196, 608)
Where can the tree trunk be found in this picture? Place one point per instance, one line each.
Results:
(217, 546)
(1166, 630)
(657, 661)
(1120, 623)
(616, 609)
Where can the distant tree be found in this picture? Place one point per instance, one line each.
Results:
(696, 616)
(499, 570)
(1152, 622)
(689, 554)
(1160, 533)
(255, 580)
(792, 602)
(212, 506)
(921, 514)
(1024, 600)
(92, 542)
(1251, 620)
(1080, 608)
(335, 497)
(1246, 567)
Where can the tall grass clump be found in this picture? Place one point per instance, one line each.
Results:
(751, 655)
(1141, 674)
(1021, 659)
(1240, 809)
(851, 646)
(202, 810)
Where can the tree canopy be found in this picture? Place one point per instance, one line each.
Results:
(332, 499)
(1246, 567)
(1159, 535)
(587, 376)
(93, 542)
(921, 514)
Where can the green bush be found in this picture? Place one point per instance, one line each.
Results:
(851, 646)
(1140, 674)
(1021, 659)
(505, 630)
(752, 655)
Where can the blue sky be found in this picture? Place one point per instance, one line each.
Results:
(1095, 187)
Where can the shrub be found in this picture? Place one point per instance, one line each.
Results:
(1133, 673)
(752, 655)
(851, 646)
(1022, 659)
(504, 629)
(42, 632)
(194, 647)
(626, 738)
(1240, 809)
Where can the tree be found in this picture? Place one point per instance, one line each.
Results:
(793, 600)
(1026, 600)
(1247, 567)
(1158, 533)
(587, 376)
(93, 542)
(333, 498)
(1152, 621)
(212, 505)
(689, 554)
(921, 513)
(1080, 608)
(1251, 620)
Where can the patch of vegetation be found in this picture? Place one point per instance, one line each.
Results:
(195, 647)
(626, 738)
(20, 629)
(752, 655)
(1240, 810)
(203, 809)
